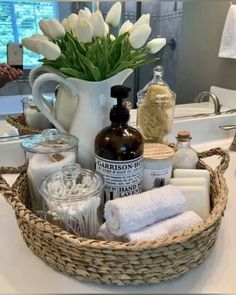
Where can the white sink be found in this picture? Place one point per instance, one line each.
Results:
(205, 130)
(192, 109)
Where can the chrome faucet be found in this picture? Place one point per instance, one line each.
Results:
(200, 97)
(233, 144)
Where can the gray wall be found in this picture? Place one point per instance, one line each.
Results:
(199, 65)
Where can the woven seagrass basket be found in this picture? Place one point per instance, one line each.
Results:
(115, 262)
(19, 123)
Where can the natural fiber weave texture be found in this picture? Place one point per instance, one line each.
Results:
(19, 123)
(115, 262)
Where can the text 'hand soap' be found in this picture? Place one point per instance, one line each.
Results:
(119, 151)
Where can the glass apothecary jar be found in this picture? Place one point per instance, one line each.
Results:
(33, 117)
(156, 104)
(72, 200)
(47, 153)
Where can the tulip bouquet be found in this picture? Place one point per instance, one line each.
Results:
(82, 45)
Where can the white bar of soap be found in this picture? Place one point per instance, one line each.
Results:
(197, 199)
(185, 181)
(180, 173)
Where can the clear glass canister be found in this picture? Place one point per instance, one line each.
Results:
(156, 103)
(33, 117)
(72, 199)
(47, 153)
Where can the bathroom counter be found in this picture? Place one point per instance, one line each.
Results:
(23, 272)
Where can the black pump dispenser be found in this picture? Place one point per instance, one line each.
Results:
(119, 113)
(119, 151)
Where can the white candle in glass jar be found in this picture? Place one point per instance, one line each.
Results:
(157, 165)
(35, 119)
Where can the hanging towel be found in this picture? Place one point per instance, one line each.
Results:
(160, 230)
(129, 214)
(228, 40)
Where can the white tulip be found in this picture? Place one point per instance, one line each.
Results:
(112, 38)
(156, 45)
(30, 43)
(143, 20)
(39, 37)
(126, 27)
(106, 29)
(84, 30)
(85, 13)
(72, 21)
(43, 24)
(48, 49)
(139, 36)
(64, 22)
(114, 14)
(97, 21)
(55, 29)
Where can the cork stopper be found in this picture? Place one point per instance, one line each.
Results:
(183, 135)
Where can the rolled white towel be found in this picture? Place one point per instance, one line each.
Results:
(104, 234)
(162, 229)
(165, 228)
(129, 214)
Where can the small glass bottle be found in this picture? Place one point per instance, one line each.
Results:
(156, 103)
(185, 156)
(119, 151)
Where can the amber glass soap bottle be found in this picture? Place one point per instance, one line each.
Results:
(119, 151)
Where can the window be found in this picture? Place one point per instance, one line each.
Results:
(20, 19)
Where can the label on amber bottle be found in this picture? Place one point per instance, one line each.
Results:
(122, 178)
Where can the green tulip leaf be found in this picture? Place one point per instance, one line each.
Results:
(74, 73)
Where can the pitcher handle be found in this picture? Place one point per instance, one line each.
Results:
(40, 100)
(35, 71)
(33, 74)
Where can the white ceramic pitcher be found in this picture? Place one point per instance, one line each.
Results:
(92, 113)
(63, 112)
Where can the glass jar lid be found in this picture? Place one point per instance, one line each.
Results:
(28, 101)
(71, 184)
(156, 90)
(49, 141)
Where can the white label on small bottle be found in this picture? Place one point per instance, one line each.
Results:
(122, 178)
(155, 178)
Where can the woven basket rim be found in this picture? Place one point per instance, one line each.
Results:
(47, 227)
(16, 121)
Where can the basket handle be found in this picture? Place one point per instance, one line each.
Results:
(5, 189)
(225, 158)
